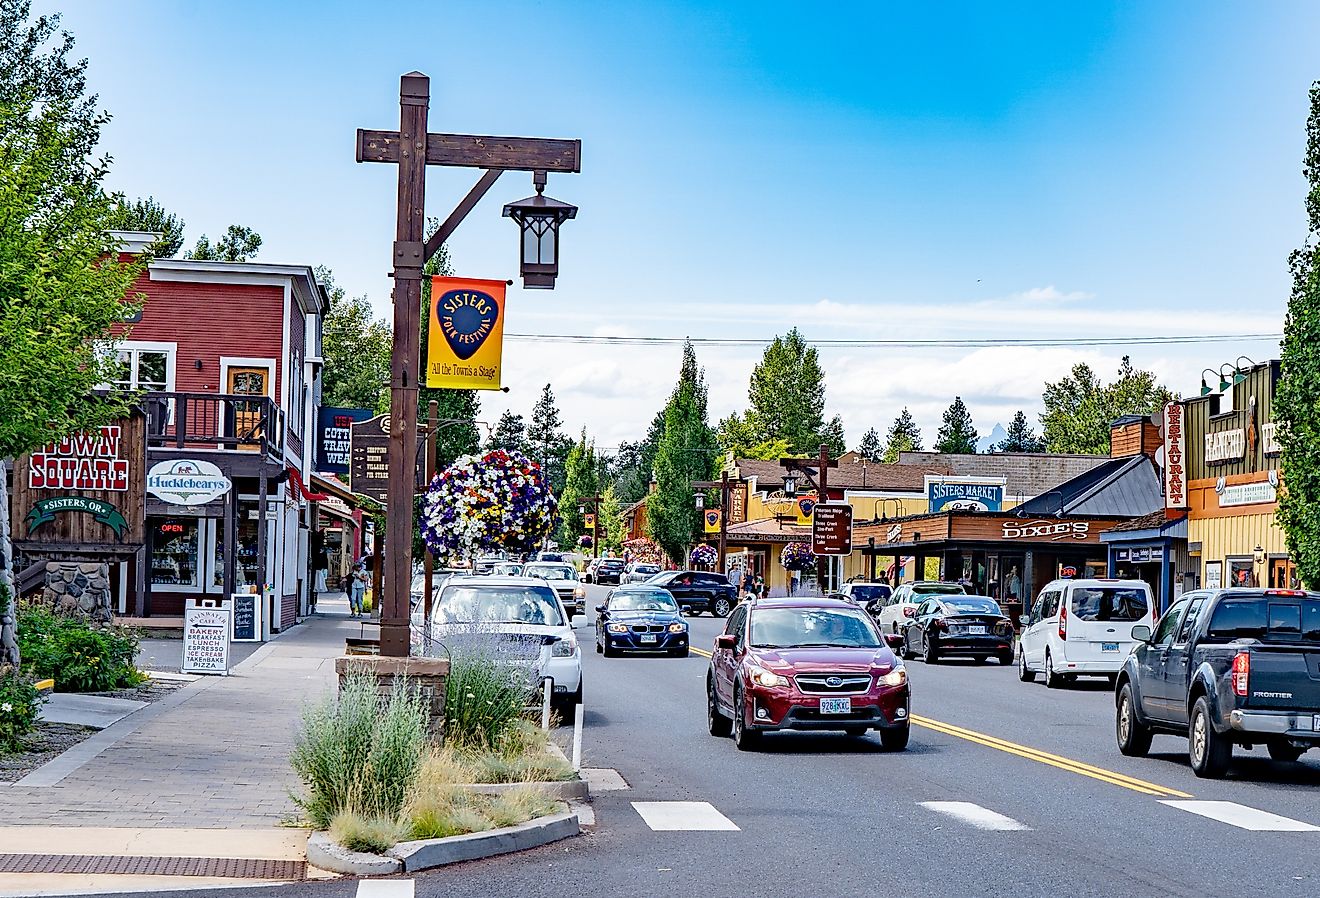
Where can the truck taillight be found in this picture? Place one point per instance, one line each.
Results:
(1063, 621)
(1241, 673)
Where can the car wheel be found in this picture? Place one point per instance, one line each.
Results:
(1284, 751)
(895, 738)
(679, 653)
(1052, 679)
(1210, 753)
(744, 737)
(855, 732)
(1005, 658)
(1133, 736)
(717, 723)
(1025, 674)
(720, 607)
(610, 651)
(929, 653)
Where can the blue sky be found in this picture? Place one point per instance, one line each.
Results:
(858, 170)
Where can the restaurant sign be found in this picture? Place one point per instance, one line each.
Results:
(186, 481)
(1175, 451)
(1225, 446)
(1052, 531)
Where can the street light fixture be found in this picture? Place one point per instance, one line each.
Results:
(700, 500)
(790, 485)
(539, 218)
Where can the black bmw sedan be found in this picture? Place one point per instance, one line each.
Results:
(965, 626)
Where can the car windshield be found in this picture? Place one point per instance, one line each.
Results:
(647, 569)
(939, 589)
(419, 583)
(806, 627)
(498, 605)
(972, 605)
(551, 572)
(871, 593)
(1109, 603)
(1261, 617)
(611, 564)
(651, 600)
(509, 570)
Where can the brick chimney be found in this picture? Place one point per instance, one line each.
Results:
(1133, 435)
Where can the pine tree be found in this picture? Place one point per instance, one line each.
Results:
(1299, 385)
(510, 434)
(1020, 437)
(686, 453)
(957, 434)
(903, 436)
(869, 448)
(546, 444)
(635, 463)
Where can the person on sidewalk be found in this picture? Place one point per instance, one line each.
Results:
(357, 590)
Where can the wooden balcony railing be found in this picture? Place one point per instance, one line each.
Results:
(214, 421)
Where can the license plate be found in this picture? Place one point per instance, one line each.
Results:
(976, 631)
(1315, 723)
(650, 637)
(1109, 646)
(836, 706)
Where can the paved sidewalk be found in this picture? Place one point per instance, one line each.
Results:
(213, 754)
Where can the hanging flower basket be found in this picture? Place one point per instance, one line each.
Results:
(485, 503)
(797, 557)
(584, 541)
(643, 551)
(703, 555)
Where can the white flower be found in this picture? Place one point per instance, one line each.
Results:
(6, 707)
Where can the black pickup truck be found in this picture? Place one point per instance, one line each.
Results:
(1225, 667)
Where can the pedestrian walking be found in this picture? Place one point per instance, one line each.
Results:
(357, 589)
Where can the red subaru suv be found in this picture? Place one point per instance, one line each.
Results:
(805, 664)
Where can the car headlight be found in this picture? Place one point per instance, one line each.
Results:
(763, 677)
(678, 627)
(580, 593)
(896, 677)
(564, 648)
(617, 628)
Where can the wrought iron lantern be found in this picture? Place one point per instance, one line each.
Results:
(539, 218)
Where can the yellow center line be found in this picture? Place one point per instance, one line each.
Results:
(1043, 757)
(702, 652)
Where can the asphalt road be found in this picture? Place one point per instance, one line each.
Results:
(825, 815)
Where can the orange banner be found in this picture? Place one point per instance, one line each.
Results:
(465, 345)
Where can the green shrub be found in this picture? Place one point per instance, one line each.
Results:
(19, 703)
(485, 695)
(77, 657)
(359, 752)
(355, 832)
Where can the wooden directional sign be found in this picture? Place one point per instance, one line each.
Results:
(831, 530)
(368, 464)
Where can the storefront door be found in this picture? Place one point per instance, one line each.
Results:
(1283, 574)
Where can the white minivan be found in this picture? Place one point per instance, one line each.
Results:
(1082, 628)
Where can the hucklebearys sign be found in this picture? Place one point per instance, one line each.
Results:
(84, 488)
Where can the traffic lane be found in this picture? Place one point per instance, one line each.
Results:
(1078, 721)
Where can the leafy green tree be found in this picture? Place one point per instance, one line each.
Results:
(149, 215)
(957, 434)
(611, 522)
(581, 482)
(869, 448)
(356, 348)
(1299, 385)
(1079, 408)
(686, 453)
(1020, 437)
(62, 292)
(787, 401)
(510, 433)
(238, 244)
(903, 436)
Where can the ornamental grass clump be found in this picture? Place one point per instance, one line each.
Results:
(359, 752)
(492, 681)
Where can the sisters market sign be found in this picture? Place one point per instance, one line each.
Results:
(89, 461)
(186, 481)
(44, 511)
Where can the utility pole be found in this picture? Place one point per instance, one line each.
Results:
(428, 469)
(823, 562)
(412, 149)
(724, 486)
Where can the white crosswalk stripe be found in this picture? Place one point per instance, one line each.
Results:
(975, 815)
(1243, 817)
(683, 815)
(386, 888)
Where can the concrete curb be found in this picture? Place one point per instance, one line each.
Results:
(423, 854)
(568, 790)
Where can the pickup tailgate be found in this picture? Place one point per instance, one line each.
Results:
(1284, 678)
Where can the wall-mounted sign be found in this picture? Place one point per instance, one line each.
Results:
(44, 511)
(1263, 493)
(804, 506)
(1214, 574)
(1269, 439)
(465, 342)
(1138, 556)
(334, 431)
(187, 481)
(1175, 448)
(369, 467)
(206, 640)
(954, 496)
(737, 503)
(712, 519)
(894, 533)
(1225, 446)
(1052, 531)
(88, 460)
(831, 530)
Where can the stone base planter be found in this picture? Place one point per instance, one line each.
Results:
(423, 854)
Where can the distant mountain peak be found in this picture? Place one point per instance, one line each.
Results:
(992, 439)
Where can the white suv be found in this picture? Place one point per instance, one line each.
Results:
(1082, 628)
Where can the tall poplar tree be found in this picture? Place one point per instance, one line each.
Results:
(787, 402)
(903, 436)
(686, 452)
(581, 481)
(957, 434)
(1296, 406)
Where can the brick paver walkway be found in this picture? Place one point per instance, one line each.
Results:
(214, 754)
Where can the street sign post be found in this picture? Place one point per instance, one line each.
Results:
(831, 530)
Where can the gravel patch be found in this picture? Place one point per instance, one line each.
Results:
(150, 691)
(43, 744)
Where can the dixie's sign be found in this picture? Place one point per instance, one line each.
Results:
(953, 496)
(465, 342)
(89, 461)
(1175, 450)
(186, 481)
(1052, 531)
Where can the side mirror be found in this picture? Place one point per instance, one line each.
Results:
(1141, 633)
(894, 640)
(600, 609)
(726, 641)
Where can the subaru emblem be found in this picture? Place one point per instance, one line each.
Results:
(833, 682)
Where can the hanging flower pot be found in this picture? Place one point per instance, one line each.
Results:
(703, 555)
(485, 503)
(797, 557)
(584, 541)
